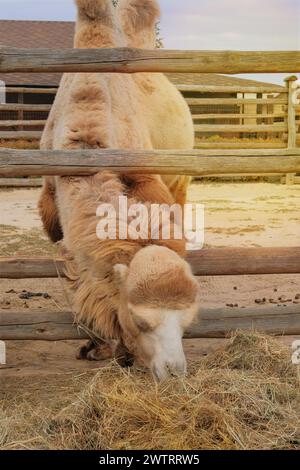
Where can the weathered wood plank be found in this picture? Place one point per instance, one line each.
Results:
(238, 261)
(200, 162)
(291, 122)
(20, 182)
(22, 122)
(43, 91)
(206, 262)
(238, 116)
(20, 135)
(232, 89)
(219, 322)
(291, 118)
(24, 107)
(239, 145)
(38, 326)
(211, 323)
(124, 60)
(220, 128)
(33, 267)
(233, 101)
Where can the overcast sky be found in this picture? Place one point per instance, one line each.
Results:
(198, 24)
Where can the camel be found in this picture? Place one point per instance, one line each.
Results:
(133, 291)
(157, 112)
(146, 310)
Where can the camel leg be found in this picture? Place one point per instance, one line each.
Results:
(101, 350)
(178, 186)
(95, 351)
(123, 357)
(148, 188)
(48, 211)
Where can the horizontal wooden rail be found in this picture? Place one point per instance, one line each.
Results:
(240, 261)
(231, 89)
(12, 135)
(282, 127)
(211, 323)
(206, 262)
(124, 60)
(233, 101)
(182, 88)
(239, 145)
(219, 128)
(218, 116)
(20, 183)
(195, 162)
(22, 123)
(39, 91)
(24, 107)
(260, 128)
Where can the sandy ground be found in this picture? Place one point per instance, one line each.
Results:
(18, 208)
(236, 214)
(249, 214)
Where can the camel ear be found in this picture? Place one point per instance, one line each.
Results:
(120, 271)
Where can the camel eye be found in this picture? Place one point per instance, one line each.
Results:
(142, 325)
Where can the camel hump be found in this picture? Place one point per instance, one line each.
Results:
(138, 19)
(141, 13)
(94, 9)
(96, 25)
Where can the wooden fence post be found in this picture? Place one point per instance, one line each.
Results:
(291, 122)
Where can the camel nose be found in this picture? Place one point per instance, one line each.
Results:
(163, 370)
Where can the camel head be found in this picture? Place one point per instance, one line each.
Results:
(159, 298)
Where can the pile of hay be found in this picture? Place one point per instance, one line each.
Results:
(244, 396)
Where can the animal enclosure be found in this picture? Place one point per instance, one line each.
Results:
(200, 162)
(228, 116)
(225, 116)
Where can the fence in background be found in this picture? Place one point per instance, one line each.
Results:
(15, 163)
(224, 116)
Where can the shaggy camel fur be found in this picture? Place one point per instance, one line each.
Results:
(141, 111)
(129, 112)
(144, 295)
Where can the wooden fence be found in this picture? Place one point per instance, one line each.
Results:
(259, 115)
(13, 163)
(259, 122)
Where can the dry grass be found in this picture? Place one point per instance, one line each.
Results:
(245, 396)
(20, 144)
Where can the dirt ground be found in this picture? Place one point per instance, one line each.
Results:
(236, 214)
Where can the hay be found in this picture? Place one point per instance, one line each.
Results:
(244, 396)
(20, 143)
